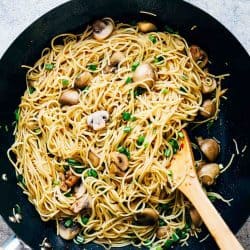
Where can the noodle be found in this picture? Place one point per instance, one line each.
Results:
(49, 134)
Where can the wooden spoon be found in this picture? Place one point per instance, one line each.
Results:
(185, 177)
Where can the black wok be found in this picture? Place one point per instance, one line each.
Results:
(224, 51)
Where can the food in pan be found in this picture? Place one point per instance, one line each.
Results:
(98, 126)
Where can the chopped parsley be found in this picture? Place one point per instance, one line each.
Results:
(73, 162)
(139, 91)
(152, 38)
(84, 220)
(17, 114)
(174, 144)
(182, 89)
(158, 59)
(91, 172)
(184, 77)
(167, 152)
(68, 223)
(164, 91)
(180, 134)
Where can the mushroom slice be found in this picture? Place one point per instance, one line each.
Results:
(83, 203)
(95, 160)
(83, 80)
(115, 171)
(146, 27)
(147, 217)
(120, 160)
(68, 233)
(162, 232)
(69, 97)
(208, 85)
(102, 29)
(116, 58)
(144, 72)
(208, 173)
(97, 120)
(79, 190)
(199, 55)
(72, 180)
(209, 147)
(209, 108)
(195, 217)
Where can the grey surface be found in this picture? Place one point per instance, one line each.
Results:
(16, 15)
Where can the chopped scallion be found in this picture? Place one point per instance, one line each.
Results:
(127, 129)
(73, 162)
(68, 223)
(182, 89)
(164, 91)
(134, 66)
(92, 67)
(124, 150)
(175, 237)
(128, 80)
(126, 116)
(17, 113)
(65, 82)
(152, 38)
(91, 172)
(31, 90)
(180, 134)
(133, 118)
(167, 152)
(49, 66)
(159, 59)
(168, 243)
(84, 220)
(139, 91)
(140, 140)
(174, 144)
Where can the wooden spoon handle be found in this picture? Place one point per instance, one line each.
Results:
(210, 216)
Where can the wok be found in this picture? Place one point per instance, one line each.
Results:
(224, 51)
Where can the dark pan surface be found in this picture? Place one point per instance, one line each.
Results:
(234, 120)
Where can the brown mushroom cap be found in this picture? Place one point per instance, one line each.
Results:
(146, 27)
(120, 160)
(209, 147)
(208, 85)
(199, 55)
(83, 80)
(162, 232)
(147, 217)
(209, 107)
(69, 97)
(95, 160)
(144, 71)
(195, 217)
(68, 233)
(102, 29)
(208, 173)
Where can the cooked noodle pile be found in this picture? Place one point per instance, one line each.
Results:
(54, 141)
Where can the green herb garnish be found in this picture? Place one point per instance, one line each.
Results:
(210, 124)
(168, 243)
(17, 114)
(158, 59)
(139, 91)
(175, 237)
(128, 80)
(85, 89)
(68, 223)
(211, 198)
(92, 67)
(31, 90)
(91, 172)
(140, 140)
(127, 129)
(180, 134)
(65, 82)
(37, 131)
(49, 66)
(184, 77)
(126, 116)
(79, 239)
(73, 162)
(152, 38)
(78, 170)
(124, 151)
(182, 89)
(145, 144)
(174, 144)
(84, 220)
(167, 152)
(164, 91)
(162, 223)
(134, 66)
(133, 118)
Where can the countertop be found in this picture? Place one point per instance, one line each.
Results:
(16, 15)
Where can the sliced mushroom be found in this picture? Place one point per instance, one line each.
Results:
(208, 173)
(98, 119)
(69, 97)
(199, 164)
(95, 160)
(68, 233)
(146, 27)
(120, 160)
(79, 190)
(83, 80)
(102, 29)
(63, 186)
(143, 72)
(109, 69)
(195, 217)
(162, 232)
(72, 180)
(209, 147)
(208, 85)
(83, 203)
(209, 108)
(116, 58)
(147, 217)
(115, 171)
(199, 55)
